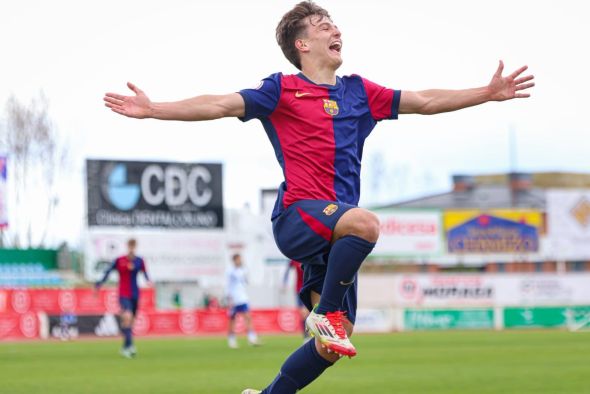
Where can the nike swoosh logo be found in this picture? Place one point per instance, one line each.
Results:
(301, 94)
(347, 283)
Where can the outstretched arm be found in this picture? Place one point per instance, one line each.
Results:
(206, 107)
(106, 275)
(500, 88)
(144, 270)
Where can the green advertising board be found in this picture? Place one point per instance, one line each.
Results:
(46, 257)
(539, 317)
(446, 319)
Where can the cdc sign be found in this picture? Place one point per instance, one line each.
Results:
(154, 194)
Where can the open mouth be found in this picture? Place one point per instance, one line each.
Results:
(336, 47)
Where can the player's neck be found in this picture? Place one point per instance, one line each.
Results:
(319, 76)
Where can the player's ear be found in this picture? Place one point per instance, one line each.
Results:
(301, 45)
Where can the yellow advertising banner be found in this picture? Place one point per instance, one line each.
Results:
(493, 231)
(452, 219)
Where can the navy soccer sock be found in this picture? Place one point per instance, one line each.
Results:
(346, 257)
(301, 368)
(128, 337)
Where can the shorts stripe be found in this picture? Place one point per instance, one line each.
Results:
(318, 227)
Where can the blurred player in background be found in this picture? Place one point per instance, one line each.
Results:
(128, 266)
(237, 297)
(303, 311)
(317, 123)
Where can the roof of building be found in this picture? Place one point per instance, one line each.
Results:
(498, 191)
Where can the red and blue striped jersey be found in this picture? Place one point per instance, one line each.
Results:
(318, 132)
(128, 270)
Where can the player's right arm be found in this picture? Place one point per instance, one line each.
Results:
(206, 107)
(106, 275)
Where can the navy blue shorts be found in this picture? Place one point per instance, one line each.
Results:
(242, 308)
(129, 304)
(303, 232)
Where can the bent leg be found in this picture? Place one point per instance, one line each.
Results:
(357, 222)
(354, 238)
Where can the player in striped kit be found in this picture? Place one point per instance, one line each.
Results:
(317, 123)
(128, 267)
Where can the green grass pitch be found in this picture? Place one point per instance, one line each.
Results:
(420, 362)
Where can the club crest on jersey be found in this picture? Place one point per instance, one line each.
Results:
(330, 209)
(331, 107)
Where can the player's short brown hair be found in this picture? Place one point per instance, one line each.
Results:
(291, 27)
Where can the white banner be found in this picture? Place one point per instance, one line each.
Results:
(543, 289)
(460, 290)
(409, 233)
(444, 290)
(171, 255)
(375, 320)
(568, 223)
(3, 192)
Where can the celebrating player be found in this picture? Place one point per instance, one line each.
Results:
(238, 301)
(128, 267)
(317, 123)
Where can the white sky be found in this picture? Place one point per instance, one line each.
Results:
(76, 51)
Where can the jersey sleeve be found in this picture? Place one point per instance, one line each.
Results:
(383, 102)
(261, 101)
(144, 270)
(105, 277)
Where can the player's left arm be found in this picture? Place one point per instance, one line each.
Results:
(144, 270)
(435, 101)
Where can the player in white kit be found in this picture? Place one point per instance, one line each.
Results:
(238, 302)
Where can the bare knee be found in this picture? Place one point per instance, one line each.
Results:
(358, 222)
(126, 319)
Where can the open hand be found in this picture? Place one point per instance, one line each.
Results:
(509, 87)
(138, 106)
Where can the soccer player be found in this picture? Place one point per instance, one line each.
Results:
(238, 301)
(128, 266)
(303, 311)
(317, 123)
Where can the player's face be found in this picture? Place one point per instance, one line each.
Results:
(324, 41)
(238, 261)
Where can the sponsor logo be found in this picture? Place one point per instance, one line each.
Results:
(28, 325)
(258, 86)
(117, 190)
(581, 212)
(409, 288)
(468, 290)
(172, 185)
(107, 326)
(330, 209)
(347, 283)
(67, 301)
(493, 234)
(324, 330)
(21, 301)
(301, 94)
(288, 321)
(188, 323)
(331, 107)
